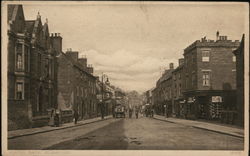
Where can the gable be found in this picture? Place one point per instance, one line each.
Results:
(16, 18)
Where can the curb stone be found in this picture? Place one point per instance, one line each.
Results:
(49, 130)
(225, 133)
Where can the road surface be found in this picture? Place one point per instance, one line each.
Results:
(132, 134)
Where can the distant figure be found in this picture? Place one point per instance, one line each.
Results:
(152, 113)
(136, 112)
(57, 120)
(130, 112)
(75, 116)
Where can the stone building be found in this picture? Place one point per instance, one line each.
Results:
(239, 53)
(31, 71)
(76, 86)
(210, 76)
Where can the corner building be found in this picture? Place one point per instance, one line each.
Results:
(32, 85)
(210, 77)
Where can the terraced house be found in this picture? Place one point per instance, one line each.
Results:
(32, 85)
(76, 86)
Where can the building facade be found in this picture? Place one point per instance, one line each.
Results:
(31, 69)
(239, 53)
(162, 94)
(76, 86)
(178, 99)
(210, 76)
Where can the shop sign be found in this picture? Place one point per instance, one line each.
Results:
(190, 100)
(216, 99)
(182, 101)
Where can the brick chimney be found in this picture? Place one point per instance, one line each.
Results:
(83, 62)
(90, 69)
(217, 35)
(171, 65)
(72, 54)
(181, 61)
(56, 40)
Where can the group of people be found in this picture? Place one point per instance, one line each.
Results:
(136, 111)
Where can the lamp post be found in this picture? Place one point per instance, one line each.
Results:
(102, 104)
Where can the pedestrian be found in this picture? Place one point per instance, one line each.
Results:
(57, 119)
(152, 113)
(130, 113)
(75, 116)
(136, 113)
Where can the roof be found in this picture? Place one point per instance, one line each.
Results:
(178, 68)
(10, 11)
(77, 65)
(30, 25)
(240, 50)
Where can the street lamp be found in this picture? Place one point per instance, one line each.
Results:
(102, 105)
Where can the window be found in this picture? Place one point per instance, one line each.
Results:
(179, 75)
(82, 91)
(176, 93)
(193, 57)
(19, 57)
(205, 56)
(186, 84)
(39, 63)
(193, 79)
(234, 58)
(174, 76)
(26, 53)
(19, 91)
(50, 69)
(46, 68)
(179, 89)
(206, 79)
(77, 91)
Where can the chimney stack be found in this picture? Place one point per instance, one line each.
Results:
(171, 65)
(181, 61)
(217, 35)
(56, 43)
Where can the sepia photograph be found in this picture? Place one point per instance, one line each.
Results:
(119, 78)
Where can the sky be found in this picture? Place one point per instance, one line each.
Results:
(133, 43)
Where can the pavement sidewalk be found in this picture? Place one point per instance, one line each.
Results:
(31, 131)
(229, 130)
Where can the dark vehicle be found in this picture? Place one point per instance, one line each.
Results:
(119, 111)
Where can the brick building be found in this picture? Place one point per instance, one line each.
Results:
(178, 99)
(162, 94)
(76, 86)
(239, 53)
(210, 76)
(32, 85)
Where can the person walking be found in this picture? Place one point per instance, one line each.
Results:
(75, 116)
(130, 112)
(136, 112)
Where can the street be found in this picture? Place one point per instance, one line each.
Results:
(132, 134)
